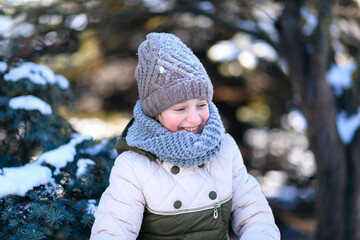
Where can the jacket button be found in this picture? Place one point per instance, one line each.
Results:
(177, 204)
(175, 170)
(202, 165)
(212, 195)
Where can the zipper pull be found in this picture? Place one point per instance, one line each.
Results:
(216, 213)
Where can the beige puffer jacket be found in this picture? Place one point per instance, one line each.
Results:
(160, 201)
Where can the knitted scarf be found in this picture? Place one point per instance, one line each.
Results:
(180, 148)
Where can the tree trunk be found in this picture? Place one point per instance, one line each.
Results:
(307, 65)
(353, 190)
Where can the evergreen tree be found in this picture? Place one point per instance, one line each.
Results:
(62, 174)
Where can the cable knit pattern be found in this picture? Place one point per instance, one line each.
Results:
(168, 73)
(180, 148)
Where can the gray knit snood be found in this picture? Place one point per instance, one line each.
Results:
(180, 148)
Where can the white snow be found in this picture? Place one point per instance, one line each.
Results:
(91, 206)
(274, 186)
(79, 22)
(207, 6)
(303, 160)
(38, 74)
(248, 59)
(30, 102)
(7, 24)
(82, 165)
(157, 5)
(3, 67)
(347, 125)
(19, 180)
(257, 138)
(248, 25)
(26, 29)
(243, 49)
(297, 121)
(268, 27)
(62, 81)
(264, 50)
(60, 156)
(339, 77)
(52, 19)
(310, 21)
(96, 149)
(223, 51)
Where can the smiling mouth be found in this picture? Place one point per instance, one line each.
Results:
(191, 129)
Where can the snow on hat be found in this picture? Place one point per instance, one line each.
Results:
(168, 73)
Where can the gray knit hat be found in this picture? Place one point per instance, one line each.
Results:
(168, 73)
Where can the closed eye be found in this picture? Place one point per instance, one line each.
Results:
(202, 105)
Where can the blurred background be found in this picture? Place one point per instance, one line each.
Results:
(285, 75)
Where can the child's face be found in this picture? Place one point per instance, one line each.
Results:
(189, 116)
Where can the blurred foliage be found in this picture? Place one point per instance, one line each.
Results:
(94, 43)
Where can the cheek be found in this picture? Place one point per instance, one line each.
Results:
(171, 123)
(205, 115)
(174, 124)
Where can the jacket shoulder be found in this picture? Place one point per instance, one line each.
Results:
(229, 139)
(229, 147)
(134, 164)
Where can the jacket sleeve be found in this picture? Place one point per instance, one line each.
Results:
(120, 211)
(252, 217)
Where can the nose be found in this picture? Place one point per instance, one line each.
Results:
(193, 116)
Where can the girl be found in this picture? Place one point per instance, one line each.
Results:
(178, 174)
